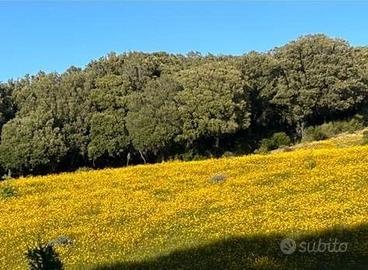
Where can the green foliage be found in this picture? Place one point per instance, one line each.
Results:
(43, 257)
(310, 163)
(212, 103)
(365, 137)
(189, 155)
(319, 77)
(7, 107)
(153, 118)
(31, 142)
(108, 135)
(260, 72)
(135, 107)
(7, 191)
(333, 128)
(314, 134)
(277, 140)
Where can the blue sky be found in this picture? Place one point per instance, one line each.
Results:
(52, 36)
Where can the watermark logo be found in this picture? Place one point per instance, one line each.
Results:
(288, 246)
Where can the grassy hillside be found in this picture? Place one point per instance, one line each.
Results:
(215, 214)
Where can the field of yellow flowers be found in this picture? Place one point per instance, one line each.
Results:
(230, 213)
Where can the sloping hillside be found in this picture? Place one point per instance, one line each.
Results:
(215, 214)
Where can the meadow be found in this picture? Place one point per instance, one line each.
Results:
(228, 213)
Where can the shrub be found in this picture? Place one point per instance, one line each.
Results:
(8, 192)
(228, 154)
(84, 169)
(265, 146)
(314, 134)
(277, 140)
(310, 163)
(281, 139)
(191, 155)
(327, 130)
(218, 178)
(365, 137)
(7, 176)
(43, 257)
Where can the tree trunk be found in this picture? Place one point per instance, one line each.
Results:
(300, 128)
(142, 156)
(128, 159)
(217, 142)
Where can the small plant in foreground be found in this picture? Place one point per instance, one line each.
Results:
(310, 163)
(7, 192)
(43, 257)
(218, 178)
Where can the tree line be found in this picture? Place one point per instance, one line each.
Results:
(148, 107)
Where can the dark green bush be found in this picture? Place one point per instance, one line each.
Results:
(43, 257)
(277, 140)
(281, 139)
(330, 129)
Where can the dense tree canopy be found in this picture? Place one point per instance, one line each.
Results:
(213, 102)
(153, 118)
(138, 107)
(319, 77)
(7, 107)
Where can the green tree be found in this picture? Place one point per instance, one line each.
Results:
(7, 107)
(213, 102)
(153, 117)
(73, 111)
(32, 143)
(259, 73)
(109, 137)
(320, 79)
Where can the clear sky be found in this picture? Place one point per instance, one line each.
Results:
(51, 36)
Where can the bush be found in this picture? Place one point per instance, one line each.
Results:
(7, 176)
(218, 178)
(43, 257)
(84, 169)
(314, 134)
(228, 154)
(8, 192)
(277, 140)
(327, 130)
(365, 137)
(310, 163)
(281, 139)
(191, 155)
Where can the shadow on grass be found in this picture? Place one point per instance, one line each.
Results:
(263, 252)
